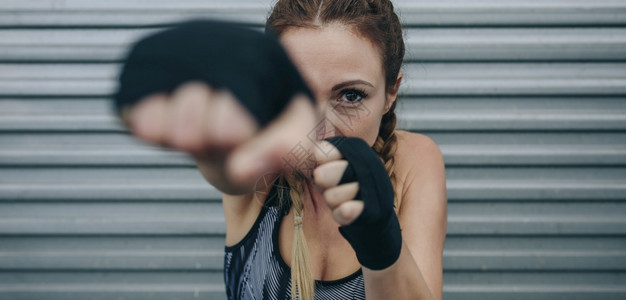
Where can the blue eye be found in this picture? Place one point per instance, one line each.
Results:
(352, 95)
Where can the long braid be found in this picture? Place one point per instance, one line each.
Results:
(302, 283)
(386, 145)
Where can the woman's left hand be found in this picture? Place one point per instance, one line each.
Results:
(357, 188)
(340, 198)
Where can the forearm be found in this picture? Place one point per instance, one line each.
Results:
(214, 173)
(402, 280)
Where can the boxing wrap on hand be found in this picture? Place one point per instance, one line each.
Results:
(250, 64)
(375, 235)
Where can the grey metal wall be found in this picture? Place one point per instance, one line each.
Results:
(525, 98)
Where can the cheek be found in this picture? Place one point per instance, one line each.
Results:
(360, 121)
(370, 131)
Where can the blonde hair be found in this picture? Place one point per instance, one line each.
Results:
(302, 283)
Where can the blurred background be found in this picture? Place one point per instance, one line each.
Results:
(526, 98)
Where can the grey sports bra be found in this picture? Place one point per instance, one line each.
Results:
(254, 268)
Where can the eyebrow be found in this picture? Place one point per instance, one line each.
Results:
(349, 83)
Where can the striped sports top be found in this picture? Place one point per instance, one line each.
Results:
(254, 268)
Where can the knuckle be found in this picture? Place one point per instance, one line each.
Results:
(346, 213)
(192, 87)
(351, 188)
(146, 132)
(331, 197)
(317, 177)
(189, 145)
(341, 166)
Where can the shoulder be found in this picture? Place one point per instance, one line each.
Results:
(419, 164)
(415, 146)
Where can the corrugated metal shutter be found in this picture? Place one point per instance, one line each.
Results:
(525, 98)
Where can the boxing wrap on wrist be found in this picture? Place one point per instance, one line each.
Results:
(250, 64)
(375, 235)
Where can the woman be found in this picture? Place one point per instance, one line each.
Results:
(287, 245)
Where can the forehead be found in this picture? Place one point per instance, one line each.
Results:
(332, 53)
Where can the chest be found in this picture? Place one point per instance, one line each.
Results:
(331, 256)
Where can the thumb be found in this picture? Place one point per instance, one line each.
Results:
(282, 146)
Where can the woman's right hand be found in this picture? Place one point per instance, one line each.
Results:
(231, 149)
(226, 94)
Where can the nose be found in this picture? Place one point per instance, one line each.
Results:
(324, 129)
(329, 129)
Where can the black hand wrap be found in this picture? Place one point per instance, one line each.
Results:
(375, 235)
(251, 64)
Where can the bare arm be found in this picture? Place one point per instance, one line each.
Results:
(423, 211)
(417, 272)
(402, 280)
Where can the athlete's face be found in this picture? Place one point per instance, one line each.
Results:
(345, 72)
